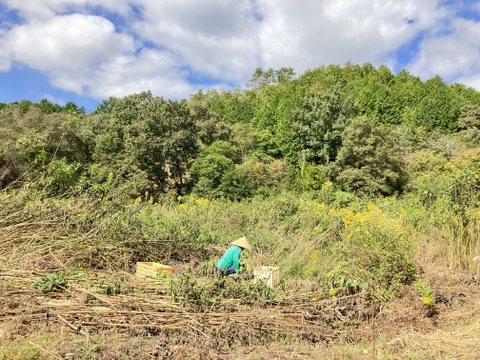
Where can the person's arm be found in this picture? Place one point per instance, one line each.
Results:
(236, 260)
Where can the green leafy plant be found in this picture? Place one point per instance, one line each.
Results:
(425, 292)
(54, 282)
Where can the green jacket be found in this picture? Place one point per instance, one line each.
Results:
(231, 257)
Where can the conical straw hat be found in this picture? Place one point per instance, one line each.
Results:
(242, 242)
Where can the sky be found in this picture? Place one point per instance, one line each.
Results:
(86, 51)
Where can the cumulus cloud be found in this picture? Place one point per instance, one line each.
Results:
(102, 48)
(150, 70)
(70, 42)
(452, 54)
(42, 10)
(337, 31)
(216, 38)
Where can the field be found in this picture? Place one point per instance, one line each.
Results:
(69, 291)
(138, 320)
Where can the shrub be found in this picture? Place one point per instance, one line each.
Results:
(369, 161)
(375, 254)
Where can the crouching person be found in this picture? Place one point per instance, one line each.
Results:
(230, 261)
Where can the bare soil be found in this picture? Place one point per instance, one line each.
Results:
(139, 320)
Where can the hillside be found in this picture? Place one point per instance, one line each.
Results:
(362, 186)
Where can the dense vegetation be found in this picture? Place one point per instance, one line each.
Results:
(340, 174)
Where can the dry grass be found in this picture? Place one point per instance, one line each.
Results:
(143, 310)
(106, 313)
(82, 322)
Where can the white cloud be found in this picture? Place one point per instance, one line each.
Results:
(36, 10)
(151, 70)
(337, 31)
(66, 43)
(216, 38)
(160, 45)
(452, 54)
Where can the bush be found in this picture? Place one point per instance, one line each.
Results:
(236, 185)
(369, 161)
(375, 255)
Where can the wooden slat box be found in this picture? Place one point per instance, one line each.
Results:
(270, 275)
(152, 269)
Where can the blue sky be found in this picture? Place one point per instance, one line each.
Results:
(88, 50)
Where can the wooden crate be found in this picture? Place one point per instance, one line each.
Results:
(270, 275)
(152, 269)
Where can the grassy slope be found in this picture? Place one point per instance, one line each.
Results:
(310, 238)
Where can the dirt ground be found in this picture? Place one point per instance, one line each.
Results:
(139, 320)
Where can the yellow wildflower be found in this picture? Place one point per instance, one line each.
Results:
(427, 300)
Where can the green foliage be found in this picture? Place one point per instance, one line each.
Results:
(469, 124)
(375, 253)
(223, 148)
(186, 289)
(425, 292)
(208, 172)
(61, 176)
(319, 124)
(469, 117)
(26, 136)
(145, 134)
(236, 184)
(379, 96)
(231, 107)
(54, 282)
(369, 161)
(209, 126)
(268, 175)
(439, 108)
(424, 161)
(456, 185)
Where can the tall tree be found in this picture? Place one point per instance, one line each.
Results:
(439, 108)
(319, 124)
(369, 161)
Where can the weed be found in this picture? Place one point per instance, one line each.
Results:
(54, 282)
(425, 292)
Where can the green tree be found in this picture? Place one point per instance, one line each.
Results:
(209, 126)
(439, 108)
(207, 173)
(369, 161)
(142, 133)
(223, 148)
(236, 184)
(318, 126)
(106, 106)
(47, 107)
(469, 125)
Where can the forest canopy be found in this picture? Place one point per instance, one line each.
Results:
(354, 126)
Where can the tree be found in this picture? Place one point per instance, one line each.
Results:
(106, 106)
(469, 124)
(369, 161)
(47, 107)
(209, 126)
(207, 173)
(469, 117)
(319, 124)
(72, 109)
(178, 138)
(439, 108)
(142, 133)
(236, 184)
